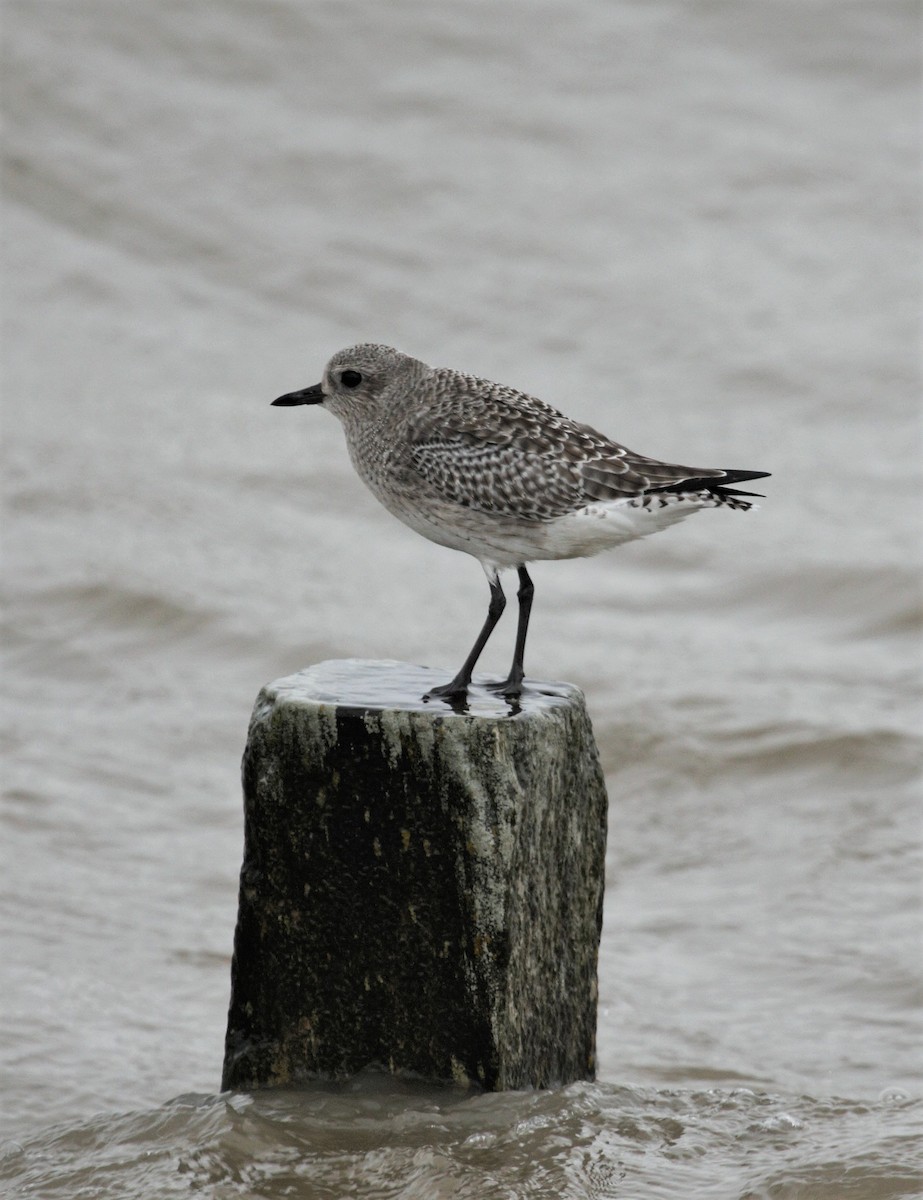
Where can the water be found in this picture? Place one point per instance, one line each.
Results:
(367, 685)
(377, 1139)
(694, 225)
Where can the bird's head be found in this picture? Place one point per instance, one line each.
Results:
(359, 381)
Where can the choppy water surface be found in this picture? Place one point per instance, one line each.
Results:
(377, 1139)
(693, 225)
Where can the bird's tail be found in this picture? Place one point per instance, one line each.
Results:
(715, 485)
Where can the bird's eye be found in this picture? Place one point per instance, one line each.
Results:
(350, 379)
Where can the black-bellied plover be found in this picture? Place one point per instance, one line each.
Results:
(480, 467)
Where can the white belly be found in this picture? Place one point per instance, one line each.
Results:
(505, 542)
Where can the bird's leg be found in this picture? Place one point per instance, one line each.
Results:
(459, 685)
(512, 686)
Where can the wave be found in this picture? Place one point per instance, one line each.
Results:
(377, 1138)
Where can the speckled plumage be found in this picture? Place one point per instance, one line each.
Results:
(481, 467)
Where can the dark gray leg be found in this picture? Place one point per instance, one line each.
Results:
(512, 686)
(459, 685)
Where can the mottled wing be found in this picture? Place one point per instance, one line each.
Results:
(495, 476)
(496, 450)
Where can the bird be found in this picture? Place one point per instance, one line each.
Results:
(501, 475)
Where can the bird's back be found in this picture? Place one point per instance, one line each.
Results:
(497, 450)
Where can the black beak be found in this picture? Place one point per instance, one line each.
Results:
(308, 395)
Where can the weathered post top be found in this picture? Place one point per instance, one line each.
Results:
(421, 887)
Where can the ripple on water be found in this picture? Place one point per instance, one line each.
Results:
(377, 1138)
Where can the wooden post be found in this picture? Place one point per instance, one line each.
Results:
(421, 888)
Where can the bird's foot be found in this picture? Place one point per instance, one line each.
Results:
(454, 694)
(509, 689)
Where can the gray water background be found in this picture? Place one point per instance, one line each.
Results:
(694, 225)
